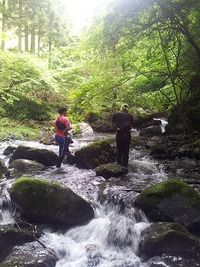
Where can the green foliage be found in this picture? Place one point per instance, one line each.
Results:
(138, 53)
(17, 130)
(26, 92)
(143, 53)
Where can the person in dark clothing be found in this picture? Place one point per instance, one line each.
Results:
(123, 122)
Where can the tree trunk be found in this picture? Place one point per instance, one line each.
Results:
(50, 48)
(20, 27)
(26, 30)
(3, 25)
(33, 40)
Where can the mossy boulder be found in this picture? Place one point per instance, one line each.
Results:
(26, 165)
(168, 238)
(43, 156)
(12, 236)
(42, 201)
(171, 200)
(97, 153)
(23, 256)
(111, 170)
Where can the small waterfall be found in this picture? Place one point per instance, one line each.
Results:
(109, 240)
(6, 215)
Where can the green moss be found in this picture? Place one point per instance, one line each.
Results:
(35, 190)
(14, 262)
(161, 229)
(166, 189)
(99, 143)
(168, 232)
(98, 152)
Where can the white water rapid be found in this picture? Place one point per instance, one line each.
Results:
(109, 240)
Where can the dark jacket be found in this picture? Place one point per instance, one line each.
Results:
(123, 121)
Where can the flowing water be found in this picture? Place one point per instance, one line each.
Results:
(109, 240)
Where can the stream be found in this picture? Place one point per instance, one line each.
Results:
(109, 240)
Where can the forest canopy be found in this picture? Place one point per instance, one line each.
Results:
(142, 52)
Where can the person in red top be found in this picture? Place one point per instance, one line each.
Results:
(61, 136)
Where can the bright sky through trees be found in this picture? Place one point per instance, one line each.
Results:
(81, 11)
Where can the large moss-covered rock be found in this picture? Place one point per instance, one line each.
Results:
(95, 154)
(171, 200)
(46, 202)
(168, 238)
(43, 156)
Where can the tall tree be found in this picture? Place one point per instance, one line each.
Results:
(3, 25)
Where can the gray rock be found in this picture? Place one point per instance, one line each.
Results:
(111, 170)
(151, 131)
(23, 256)
(12, 236)
(168, 238)
(43, 156)
(26, 165)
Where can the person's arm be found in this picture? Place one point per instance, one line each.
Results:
(68, 124)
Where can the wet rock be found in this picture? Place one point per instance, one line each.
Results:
(85, 130)
(151, 131)
(168, 238)
(158, 146)
(138, 142)
(43, 156)
(172, 200)
(95, 154)
(23, 256)
(9, 150)
(46, 202)
(155, 141)
(12, 236)
(111, 170)
(26, 165)
(171, 260)
(48, 140)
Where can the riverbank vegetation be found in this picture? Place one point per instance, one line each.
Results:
(145, 53)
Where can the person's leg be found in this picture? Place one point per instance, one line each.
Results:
(63, 144)
(119, 149)
(126, 147)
